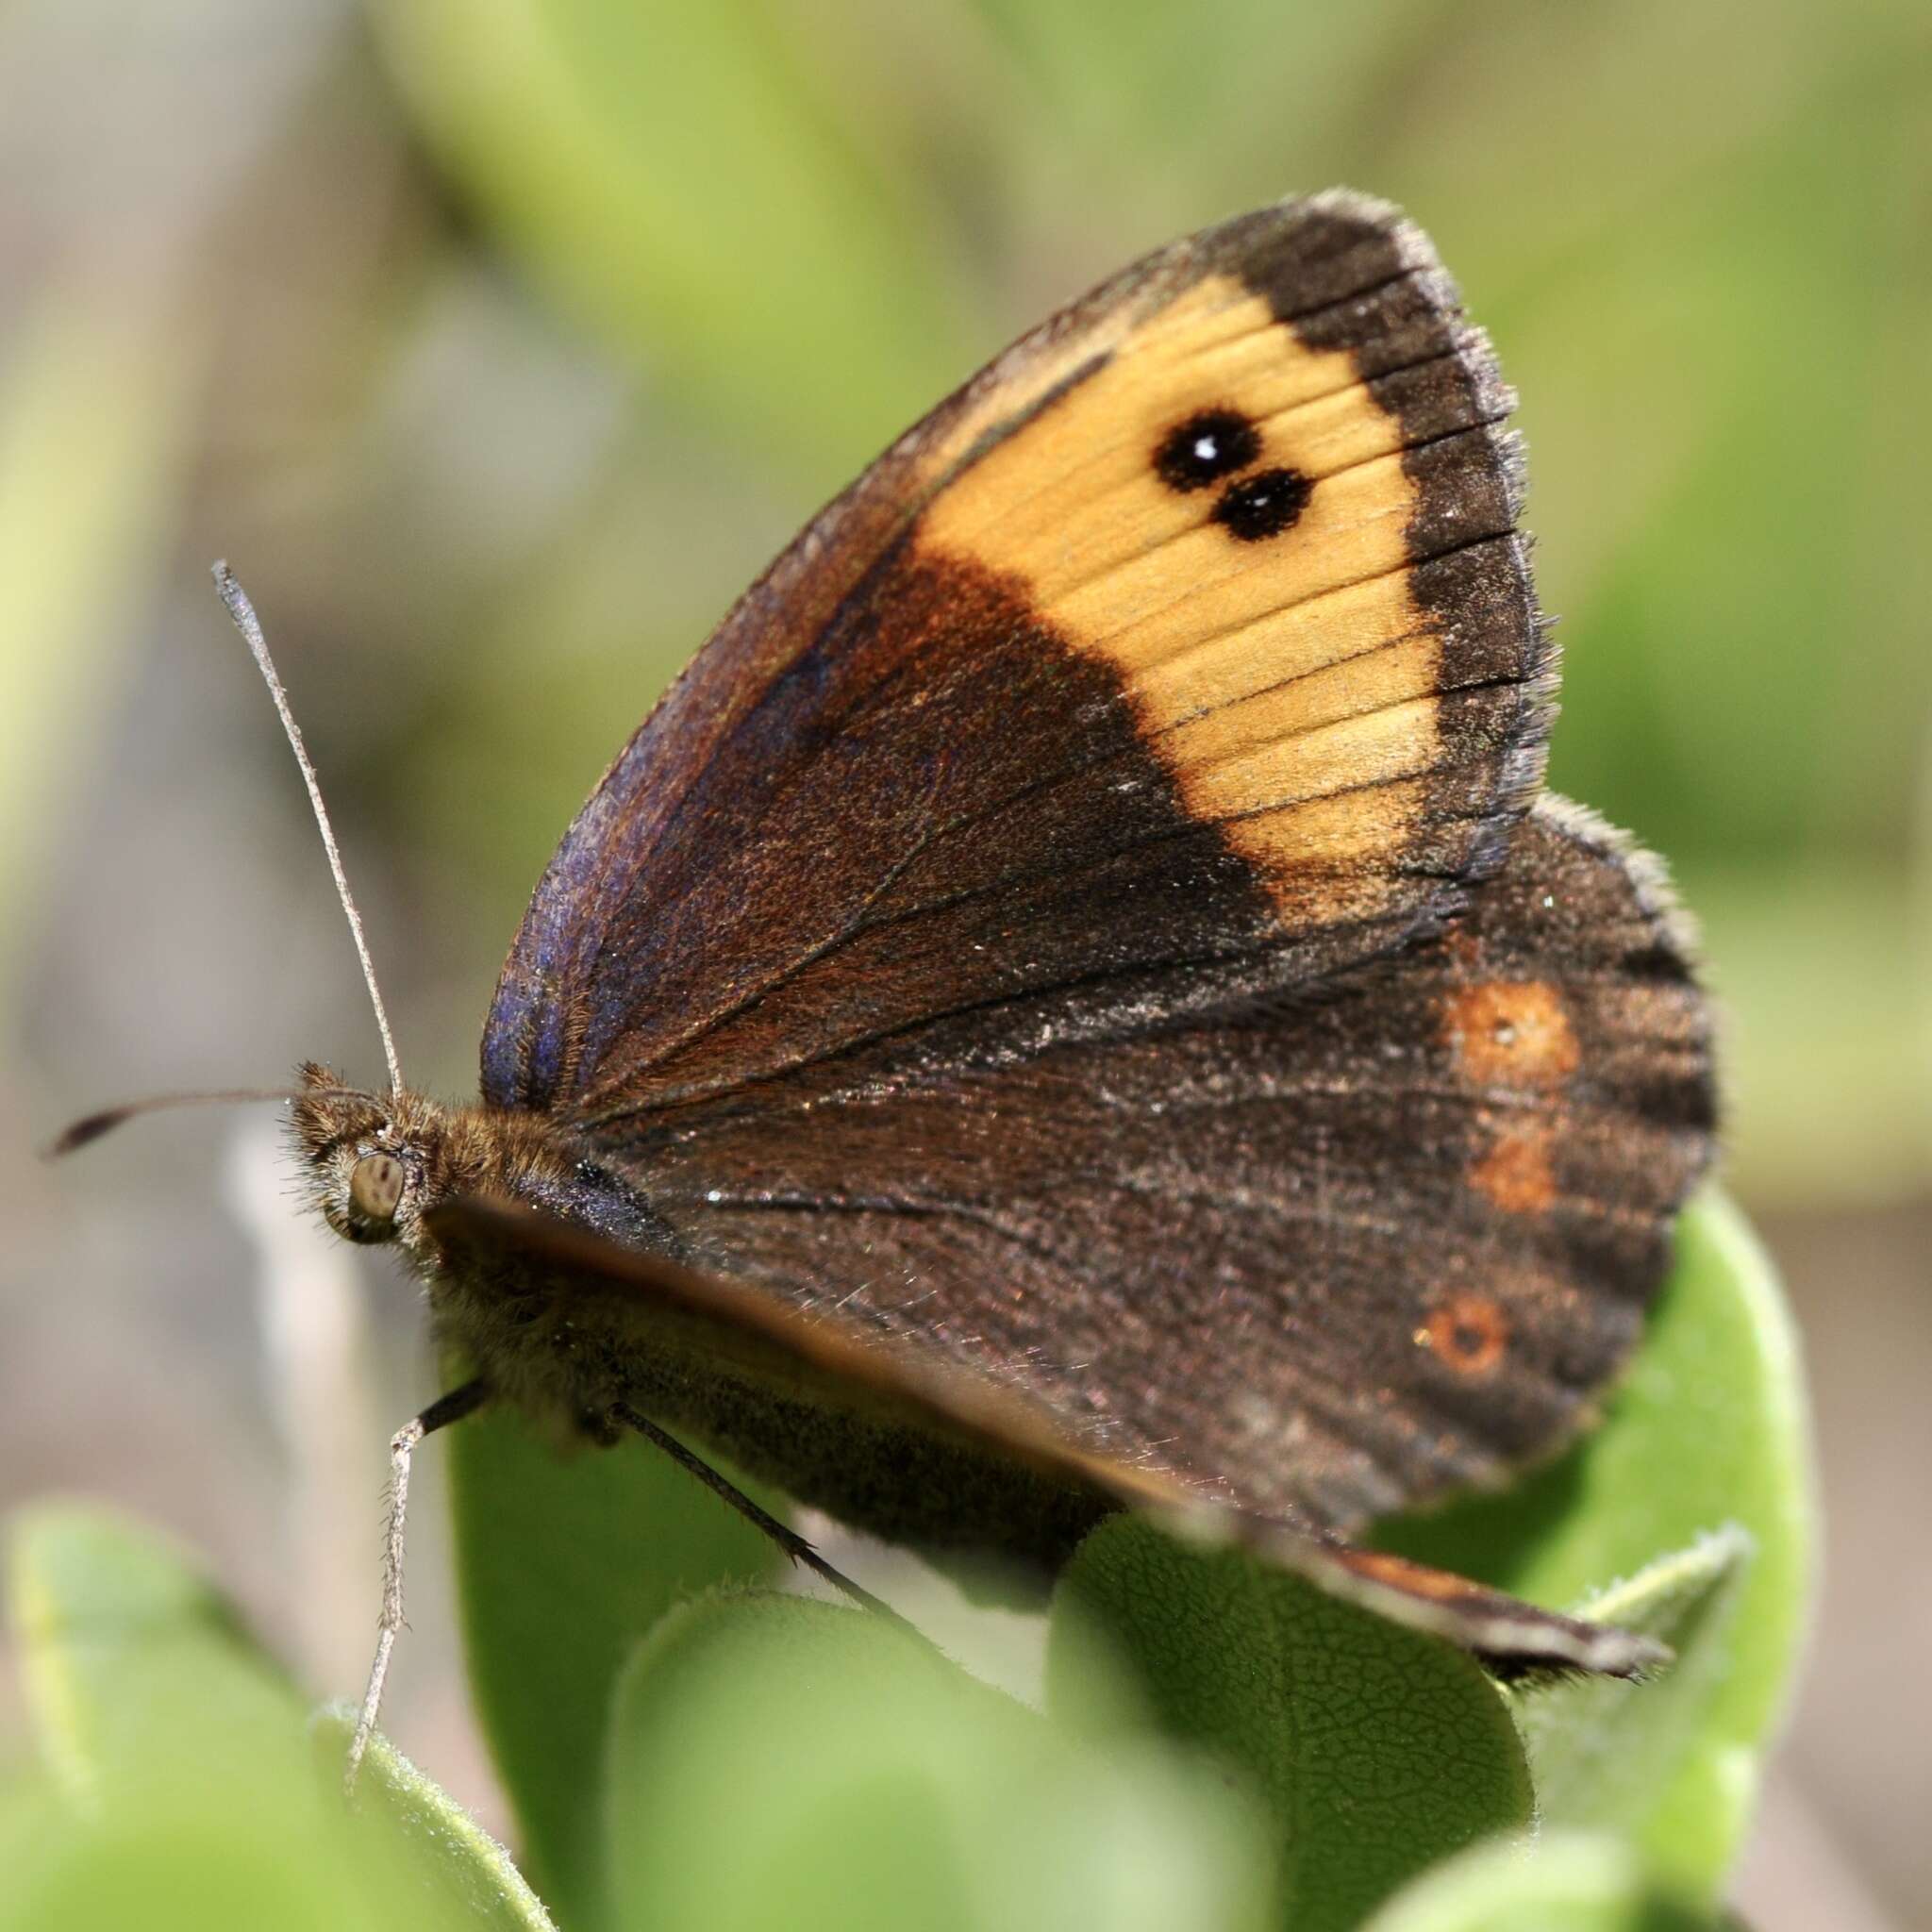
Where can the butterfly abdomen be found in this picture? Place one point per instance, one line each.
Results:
(572, 1352)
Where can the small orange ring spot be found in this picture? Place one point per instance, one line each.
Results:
(1469, 1332)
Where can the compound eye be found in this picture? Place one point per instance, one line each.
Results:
(375, 1187)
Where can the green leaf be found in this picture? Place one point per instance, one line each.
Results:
(92, 448)
(185, 1792)
(1708, 1428)
(1831, 1100)
(780, 1761)
(391, 1794)
(1567, 1881)
(206, 1859)
(259, 1842)
(129, 1657)
(673, 175)
(1376, 1750)
(39, 1831)
(1604, 1754)
(1123, 92)
(565, 1562)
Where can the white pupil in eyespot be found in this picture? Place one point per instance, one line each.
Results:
(1205, 449)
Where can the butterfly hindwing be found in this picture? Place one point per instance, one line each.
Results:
(904, 1421)
(1317, 1258)
(1186, 654)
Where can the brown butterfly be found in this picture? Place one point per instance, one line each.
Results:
(1074, 1002)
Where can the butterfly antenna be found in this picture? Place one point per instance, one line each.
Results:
(242, 611)
(91, 1127)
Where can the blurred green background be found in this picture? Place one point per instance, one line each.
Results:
(499, 345)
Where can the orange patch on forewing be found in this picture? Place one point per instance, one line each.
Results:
(1515, 1174)
(1511, 1033)
(1266, 673)
(1468, 1333)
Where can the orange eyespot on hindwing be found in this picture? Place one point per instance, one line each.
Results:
(1468, 1333)
(1511, 1033)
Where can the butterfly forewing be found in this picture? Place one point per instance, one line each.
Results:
(1187, 654)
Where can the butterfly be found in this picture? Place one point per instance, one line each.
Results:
(1076, 999)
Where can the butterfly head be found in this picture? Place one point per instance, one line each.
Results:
(374, 1162)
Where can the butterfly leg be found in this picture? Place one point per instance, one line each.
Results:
(445, 1409)
(785, 1537)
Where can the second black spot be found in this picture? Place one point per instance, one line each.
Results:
(1263, 504)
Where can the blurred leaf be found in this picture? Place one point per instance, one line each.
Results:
(90, 448)
(39, 1831)
(1729, 620)
(672, 173)
(1709, 1427)
(1137, 83)
(1566, 1881)
(255, 1841)
(1606, 1754)
(129, 1657)
(1824, 971)
(192, 1795)
(779, 1761)
(392, 1793)
(1376, 1750)
(563, 1563)
(197, 1860)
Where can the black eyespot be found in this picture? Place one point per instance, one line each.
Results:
(1264, 504)
(1207, 447)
